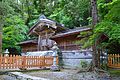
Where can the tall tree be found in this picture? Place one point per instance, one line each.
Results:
(1, 23)
(95, 55)
(15, 27)
(13, 23)
(109, 25)
(4, 9)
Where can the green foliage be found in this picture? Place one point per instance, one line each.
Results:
(114, 13)
(64, 12)
(83, 63)
(112, 30)
(109, 25)
(19, 15)
(114, 73)
(62, 18)
(14, 31)
(4, 9)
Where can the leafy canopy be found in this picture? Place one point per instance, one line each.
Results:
(109, 25)
(14, 31)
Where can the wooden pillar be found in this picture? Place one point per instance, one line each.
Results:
(65, 45)
(46, 39)
(39, 43)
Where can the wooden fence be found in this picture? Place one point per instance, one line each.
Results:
(114, 60)
(24, 62)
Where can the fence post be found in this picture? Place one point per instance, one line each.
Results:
(23, 63)
(119, 60)
(57, 60)
(0, 60)
(44, 61)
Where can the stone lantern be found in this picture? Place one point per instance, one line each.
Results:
(6, 54)
(55, 67)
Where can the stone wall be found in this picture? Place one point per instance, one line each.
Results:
(72, 59)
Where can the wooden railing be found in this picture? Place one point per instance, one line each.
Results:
(114, 60)
(24, 62)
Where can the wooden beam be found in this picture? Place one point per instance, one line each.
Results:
(35, 32)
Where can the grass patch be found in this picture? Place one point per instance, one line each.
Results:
(27, 71)
(114, 72)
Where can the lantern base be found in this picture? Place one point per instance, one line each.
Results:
(55, 68)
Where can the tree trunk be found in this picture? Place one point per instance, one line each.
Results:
(28, 12)
(95, 58)
(94, 12)
(1, 27)
(0, 41)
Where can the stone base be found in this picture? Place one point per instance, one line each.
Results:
(54, 68)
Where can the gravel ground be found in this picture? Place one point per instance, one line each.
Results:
(62, 75)
(6, 77)
(115, 77)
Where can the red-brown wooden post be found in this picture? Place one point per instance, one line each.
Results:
(10, 64)
(3, 58)
(57, 60)
(0, 60)
(119, 60)
(24, 62)
(44, 58)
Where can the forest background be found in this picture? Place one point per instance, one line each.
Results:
(17, 16)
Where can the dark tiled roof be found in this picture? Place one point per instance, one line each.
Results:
(71, 32)
(67, 33)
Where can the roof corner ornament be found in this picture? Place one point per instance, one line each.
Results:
(48, 25)
(63, 25)
(42, 17)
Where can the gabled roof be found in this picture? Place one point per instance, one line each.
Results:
(71, 32)
(42, 19)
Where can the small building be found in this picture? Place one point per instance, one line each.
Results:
(67, 41)
(28, 46)
(48, 32)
